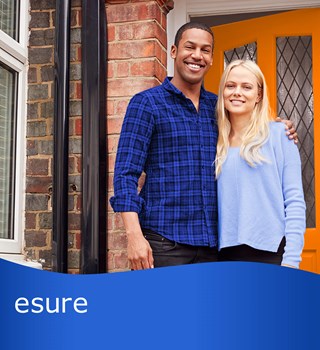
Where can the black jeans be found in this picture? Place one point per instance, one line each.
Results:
(169, 253)
(244, 252)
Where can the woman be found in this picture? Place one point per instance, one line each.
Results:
(260, 196)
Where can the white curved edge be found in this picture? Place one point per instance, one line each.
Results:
(20, 259)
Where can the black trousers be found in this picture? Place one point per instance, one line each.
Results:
(169, 253)
(244, 252)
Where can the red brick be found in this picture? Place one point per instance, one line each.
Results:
(79, 164)
(110, 107)
(37, 166)
(74, 221)
(110, 264)
(38, 184)
(36, 239)
(111, 161)
(143, 68)
(118, 223)
(79, 202)
(121, 107)
(32, 146)
(78, 126)
(121, 260)
(163, 59)
(111, 32)
(154, 12)
(110, 222)
(30, 221)
(74, 18)
(114, 125)
(134, 49)
(117, 241)
(115, 2)
(124, 32)
(109, 209)
(71, 165)
(164, 21)
(132, 12)
(147, 30)
(161, 35)
(122, 69)
(166, 5)
(80, 18)
(110, 182)
(160, 71)
(71, 126)
(112, 143)
(110, 69)
(78, 241)
(79, 90)
(129, 87)
(79, 53)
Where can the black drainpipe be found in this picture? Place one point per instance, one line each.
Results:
(94, 157)
(60, 138)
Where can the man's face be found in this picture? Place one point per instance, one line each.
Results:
(193, 56)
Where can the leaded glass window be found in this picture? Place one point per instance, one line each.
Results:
(245, 52)
(295, 102)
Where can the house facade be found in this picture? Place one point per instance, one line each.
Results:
(139, 35)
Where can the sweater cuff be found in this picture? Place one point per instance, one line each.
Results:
(291, 263)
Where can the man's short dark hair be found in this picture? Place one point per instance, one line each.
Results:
(192, 25)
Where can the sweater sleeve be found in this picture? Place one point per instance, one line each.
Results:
(294, 204)
(131, 156)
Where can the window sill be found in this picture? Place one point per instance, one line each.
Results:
(20, 259)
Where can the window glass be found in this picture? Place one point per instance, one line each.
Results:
(8, 17)
(295, 102)
(7, 142)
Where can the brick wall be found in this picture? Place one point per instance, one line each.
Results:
(137, 61)
(137, 51)
(40, 133)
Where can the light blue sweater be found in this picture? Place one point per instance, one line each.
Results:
(259, 206)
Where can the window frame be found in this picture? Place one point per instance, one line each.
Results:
(14, 55)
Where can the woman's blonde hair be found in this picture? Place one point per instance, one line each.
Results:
(258, 129)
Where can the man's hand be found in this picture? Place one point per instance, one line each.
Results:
(139, 251)
(291, 130)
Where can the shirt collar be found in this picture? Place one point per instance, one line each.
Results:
(171, 88)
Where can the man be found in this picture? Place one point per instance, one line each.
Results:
(170, 133)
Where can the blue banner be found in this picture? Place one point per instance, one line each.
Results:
(223, 306)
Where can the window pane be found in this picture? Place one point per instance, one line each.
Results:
(245, 52)
(295, 102)
(7, 132)
(8, 17)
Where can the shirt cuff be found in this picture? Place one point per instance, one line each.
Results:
(127, 203)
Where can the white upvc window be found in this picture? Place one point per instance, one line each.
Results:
(13, 86)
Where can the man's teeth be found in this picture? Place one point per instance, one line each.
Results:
(196, 66)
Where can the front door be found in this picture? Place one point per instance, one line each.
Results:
(286, 46)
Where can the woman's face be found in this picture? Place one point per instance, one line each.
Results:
(241, 92)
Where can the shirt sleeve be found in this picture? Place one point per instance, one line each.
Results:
(131, 156)
(294, 203)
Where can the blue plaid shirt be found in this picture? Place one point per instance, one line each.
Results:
(164, 136)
